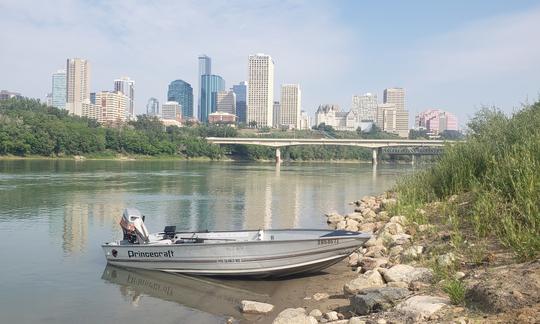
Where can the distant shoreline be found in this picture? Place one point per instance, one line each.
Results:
(80, 158)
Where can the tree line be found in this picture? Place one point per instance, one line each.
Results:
(28, 127)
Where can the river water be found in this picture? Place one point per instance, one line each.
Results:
(54, 215)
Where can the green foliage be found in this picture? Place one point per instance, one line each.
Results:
(30, 128)
(499, 165)
(455, 290)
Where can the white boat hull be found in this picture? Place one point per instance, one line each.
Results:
(310, 253)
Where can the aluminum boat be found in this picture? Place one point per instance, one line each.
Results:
(257, 253)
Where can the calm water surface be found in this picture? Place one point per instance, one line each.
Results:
(55, 214)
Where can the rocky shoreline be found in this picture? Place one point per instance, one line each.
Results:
(398, 278)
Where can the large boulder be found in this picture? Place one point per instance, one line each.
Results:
(367, 227)
(406, 273)
(253, 307)
(334, 218)
(377, 299)
(294, 316)
(373, 241)
(388, 202)
(355, 216)
(376, 251)
(370, 279)
(418, 308)
(390, 229)
(399, 239)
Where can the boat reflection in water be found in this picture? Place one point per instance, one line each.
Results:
(212, 296)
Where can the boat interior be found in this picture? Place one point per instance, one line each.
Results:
(135, 232)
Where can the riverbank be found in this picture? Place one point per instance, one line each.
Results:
(410, 272)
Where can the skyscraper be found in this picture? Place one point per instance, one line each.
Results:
(59, 89)
(365, 107)
(152, 107)
(260, 90)
(289, 113)
(392, 116)
(240, 90)
(395, 96)
(275, 114)
(210, 85)
(436, 121)
(127, 86)
(226, 102)
(205, 67)
(182, 92)
(77, 85)
(114, 106)
(392, 120)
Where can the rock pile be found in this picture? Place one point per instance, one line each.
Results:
(383, 283)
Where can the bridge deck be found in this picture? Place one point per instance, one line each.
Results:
(367, 143)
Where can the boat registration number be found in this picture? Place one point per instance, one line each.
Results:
(329, 242)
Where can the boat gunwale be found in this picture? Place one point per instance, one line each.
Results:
(363, 235)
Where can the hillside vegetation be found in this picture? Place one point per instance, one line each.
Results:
(498, 171)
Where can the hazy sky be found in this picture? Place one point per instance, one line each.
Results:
(453, 55)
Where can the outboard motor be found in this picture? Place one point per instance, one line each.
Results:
(132, 224)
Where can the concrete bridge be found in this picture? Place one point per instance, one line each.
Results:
(376, 145)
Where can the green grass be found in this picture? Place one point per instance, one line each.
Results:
(499, 165)
(455, 290)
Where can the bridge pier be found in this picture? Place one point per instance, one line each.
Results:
(376, 155)
(278, 155)
(413, 159)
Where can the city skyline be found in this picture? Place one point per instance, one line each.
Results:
(442, 49)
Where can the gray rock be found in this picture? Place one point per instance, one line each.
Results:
(331, 316)
(383, 216)
(355, 216)
(367, 227)
(398, 284)
(421, 307)
(446, 260)
(353, 259)
(377, 300)
(334, 218)
(459, 275)
(341, 225)
(373, 240)
(395, 250)
(315, 313)
(376, 251)
(356, 320)
(399, 239)
(370, 279)
(402, 220)
(369, 213)
(372, 263)
(253, 307)
(406, 273)
(413, 252)
(320, 296)
(294, 316)
(388, 202)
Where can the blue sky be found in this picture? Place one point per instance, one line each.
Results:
(452, 55)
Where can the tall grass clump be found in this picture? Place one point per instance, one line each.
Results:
(500, 164)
